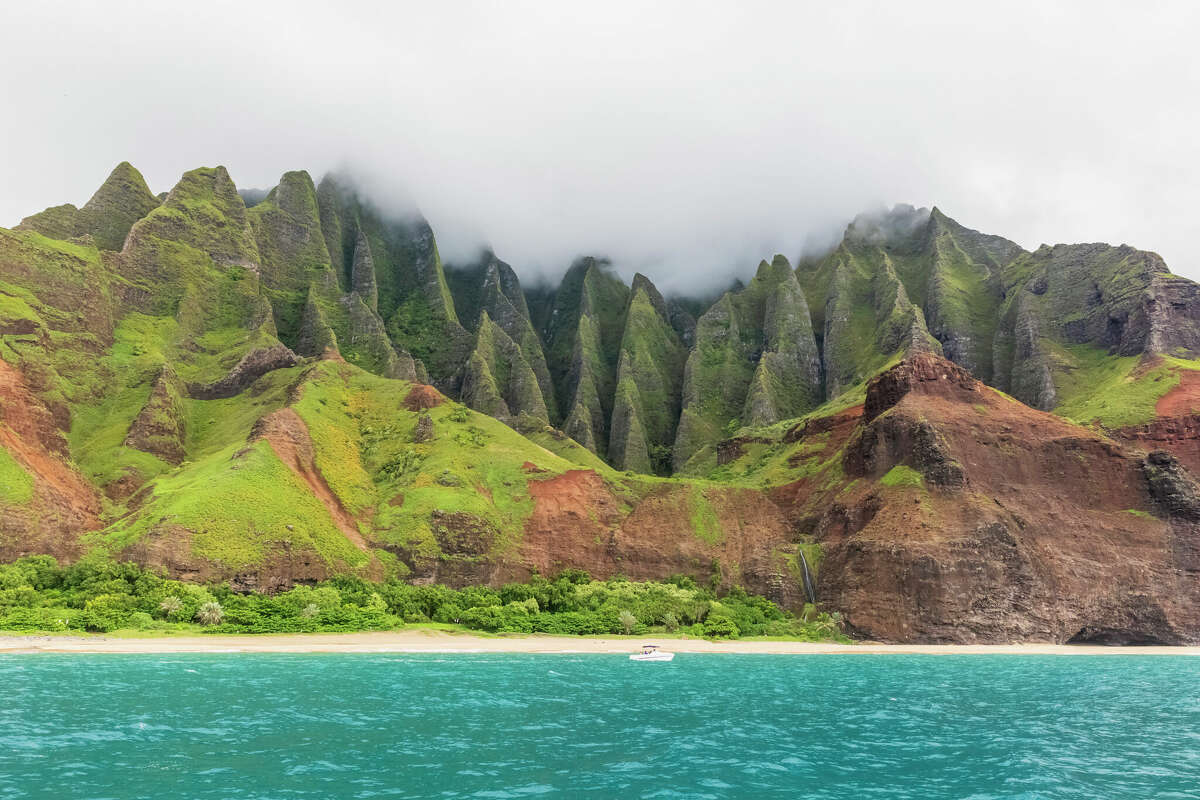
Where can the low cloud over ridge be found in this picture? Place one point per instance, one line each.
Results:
(683, 140)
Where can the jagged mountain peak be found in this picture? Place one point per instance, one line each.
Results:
(222, 396)
(121, 200)
(889, 227)
(296, 194)
(902, 280)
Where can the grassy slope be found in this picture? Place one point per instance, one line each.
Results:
(16, 485)
(240, 504)
(1114, 391)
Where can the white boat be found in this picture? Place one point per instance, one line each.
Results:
(650, 652)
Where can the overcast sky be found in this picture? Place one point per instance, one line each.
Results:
(683, 139)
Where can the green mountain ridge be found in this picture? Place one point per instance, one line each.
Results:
(233, 389)
(645, 382)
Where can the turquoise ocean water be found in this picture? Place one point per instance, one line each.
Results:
(510, 726)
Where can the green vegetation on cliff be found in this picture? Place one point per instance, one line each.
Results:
(16, 484)
(649, 377)
(583, 338)
(755, 362)
(240, 391)
(36, 594)
(120, 201)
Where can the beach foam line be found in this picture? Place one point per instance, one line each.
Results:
(436, 642)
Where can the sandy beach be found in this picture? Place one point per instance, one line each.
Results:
(427, 641)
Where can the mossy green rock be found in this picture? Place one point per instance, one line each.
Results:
(583, 332)
(649, 377)
(362, 273)
(292, 249)
(120, 201)
(498, 379)
(491, 288)
(160, 428)
(410, 293)
(1070, 309)
(755, 361)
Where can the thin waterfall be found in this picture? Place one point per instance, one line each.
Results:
(809, 592)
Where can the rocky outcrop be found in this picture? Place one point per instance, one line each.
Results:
(423, 430)
(204, 213)
(787, 379)
(1172, 489)
(367, 344)
(1067, 301)
(1021, 526)
(121, 200)
(649, 377)
(755, 362)
(287, 231)
(583, 333)
(1171, 307)
(251, 367)
(868, 317)
(160, 428)
(498, 380)
(488, 295)
(922, 373)
(362, 274)
(410, 294)
(316, 335)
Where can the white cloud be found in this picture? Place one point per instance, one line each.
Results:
(683, 139)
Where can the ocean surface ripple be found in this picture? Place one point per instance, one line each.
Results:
(516, 726)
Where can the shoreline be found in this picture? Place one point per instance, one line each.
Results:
(427, 641)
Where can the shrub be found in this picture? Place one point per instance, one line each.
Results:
(487, 618)
(99, 595)
(170, 606)
(575, 576)
(210, 613)
(720, 625)
(140, 620)
(38, 619)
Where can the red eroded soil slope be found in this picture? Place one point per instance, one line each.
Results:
(64, 503)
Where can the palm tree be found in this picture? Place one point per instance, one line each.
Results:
(628, 621)
(310, 611)
(170, 605)
(210, 613)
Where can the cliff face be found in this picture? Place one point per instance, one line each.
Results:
(953, 513)
(755, 361)
(122, 200)
(242, 393)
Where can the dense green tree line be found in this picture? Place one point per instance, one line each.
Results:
(37, 594)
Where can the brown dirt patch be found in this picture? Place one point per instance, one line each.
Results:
(65, 504)
(1036, 543)
(1184, 399)
(1179, 435)
(579, 522)
(423, 396)
(288, 436)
